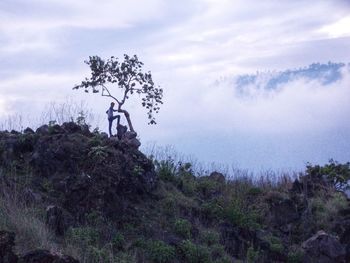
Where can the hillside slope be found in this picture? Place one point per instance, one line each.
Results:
(99, 199)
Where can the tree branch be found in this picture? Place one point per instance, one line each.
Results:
(109, 94)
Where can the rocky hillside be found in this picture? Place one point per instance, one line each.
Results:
(71, 195)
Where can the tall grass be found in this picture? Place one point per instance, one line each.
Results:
(27, 221)
(266, 179)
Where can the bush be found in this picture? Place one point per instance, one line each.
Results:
(275, 244)
(295, 256)
(338, 174)
(217, 251)
(84, 236)
(193, 253)
(166, 169)
(242, 216)
(325, 209)
(183, 227)
(118, 242)
(207, 187)
(212, 210)
(252, 255)
(210, 237)
(160, 252)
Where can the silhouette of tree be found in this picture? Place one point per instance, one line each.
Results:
(109, 75)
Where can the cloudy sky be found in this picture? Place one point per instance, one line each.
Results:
(189, 45)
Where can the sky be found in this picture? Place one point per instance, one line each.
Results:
(188, 45)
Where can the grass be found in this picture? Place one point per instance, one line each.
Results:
(27, 221)
(182, 221)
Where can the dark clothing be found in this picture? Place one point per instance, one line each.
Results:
(111, 118)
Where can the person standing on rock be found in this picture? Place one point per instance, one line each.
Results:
(111, 118)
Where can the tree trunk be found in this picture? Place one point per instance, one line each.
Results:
(127, 116)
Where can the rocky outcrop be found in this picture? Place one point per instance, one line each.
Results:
(45, 256)
(80, 171)
(7, 243)
(323, 248)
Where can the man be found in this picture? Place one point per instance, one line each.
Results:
(111, 118)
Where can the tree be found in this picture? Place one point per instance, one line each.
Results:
(127, 76)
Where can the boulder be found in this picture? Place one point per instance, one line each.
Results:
(121, 130)
(323, 248)
(71, 127)
(56, 129)
(55, 220)
(130, 138)
(43, 130)
(28, 131)
(218, 177)
(7, 242)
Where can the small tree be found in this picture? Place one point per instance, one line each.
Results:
(127, 76)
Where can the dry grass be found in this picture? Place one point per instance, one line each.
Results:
(25, 221)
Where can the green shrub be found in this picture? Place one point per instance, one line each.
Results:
(193, 253)
(83, 236)
(209, 237)
(183, 227)
(217, 251)
(212, 210)
(206, 186)
(118, 241)
(166, 169)
(187, 183)
(338, 174)
(159, 252)
(295, 256)
(140, 243)
(275, 244)
(242, 216)
(169, 205)
(252, 255)
(254, 191)
(325, 209)
(97, 255)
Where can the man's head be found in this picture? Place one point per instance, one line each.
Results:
(112, 104)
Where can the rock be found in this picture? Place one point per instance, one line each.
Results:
(323, 248)
(55, 220)
(56, 129)
(7, 242)
(15, 132)
(218, 177)
(43, 130)
(134, 143)
(121, 130)
(297, 187)
(45, 256)
(104, 135)
(129, 135)
(130, 138)
(85, 129)
(71, 127)
(28, 131)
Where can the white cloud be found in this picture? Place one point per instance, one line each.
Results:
(340, 28)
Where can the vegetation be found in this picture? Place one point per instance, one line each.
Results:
(190, 216)
(127, 76)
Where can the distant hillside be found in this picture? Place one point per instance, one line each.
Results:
(269, 80)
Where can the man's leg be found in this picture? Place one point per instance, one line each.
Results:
(110, 121)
